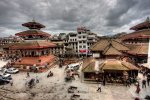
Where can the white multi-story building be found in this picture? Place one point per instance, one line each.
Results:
(81, 41)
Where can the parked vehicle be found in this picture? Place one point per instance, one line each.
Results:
(12, 71)
(5, 76)
(3, 81)
(74, 66)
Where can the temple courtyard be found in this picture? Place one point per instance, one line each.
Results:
(55, 88)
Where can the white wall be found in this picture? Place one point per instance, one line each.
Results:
(148, 61)
(96, 55)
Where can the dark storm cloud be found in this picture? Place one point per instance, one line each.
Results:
(121, 8)
(101, 16)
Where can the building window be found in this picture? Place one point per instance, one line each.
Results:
(84, 42)
(80, 41)
(79, 37)
(84, 37)
(84, 46)
(79, 32)
(80, 46)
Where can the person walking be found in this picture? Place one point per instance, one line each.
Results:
(11, 82)
(99, 87)
(148, 79)
(28, 75)
(138, 88)
(104, 81)
(143, 83)
(37, 80)
(127, 83)
(26, 82)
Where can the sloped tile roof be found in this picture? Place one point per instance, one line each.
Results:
(141, 25)
(32, 32)
(111, 51)
(137, 34)
(109, 64)
(32, 45)
(35, 60)
(88, 65)
(138, 49)
(113, 65)
(106, 44)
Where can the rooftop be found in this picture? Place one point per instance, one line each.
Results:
(109, 64)
(143, 25)
(32, 45)
(33, 25)
(137, 34)
(41, 60)
(32, 32)
(138, 49)
(109, 47)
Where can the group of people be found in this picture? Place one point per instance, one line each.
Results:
(49, 74)
(129, 81)
(145, 81)
(32, 81)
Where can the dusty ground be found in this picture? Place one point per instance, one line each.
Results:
(55, 88)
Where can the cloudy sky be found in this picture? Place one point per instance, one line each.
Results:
(104, 17)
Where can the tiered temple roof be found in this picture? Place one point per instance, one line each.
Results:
(32, 45)
(142, 30)
(138, 34)
(34, 31)
(143, 25)
(138, 49)
(138, 41)
(33, 25)
(109, 47)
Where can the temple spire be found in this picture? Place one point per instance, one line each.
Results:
(147, 19)
(33, 25)
(33, 20)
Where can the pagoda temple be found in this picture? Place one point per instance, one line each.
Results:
(109, 48)
(34, 53)
(110, 62)
(34, 31)
(138, 41)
